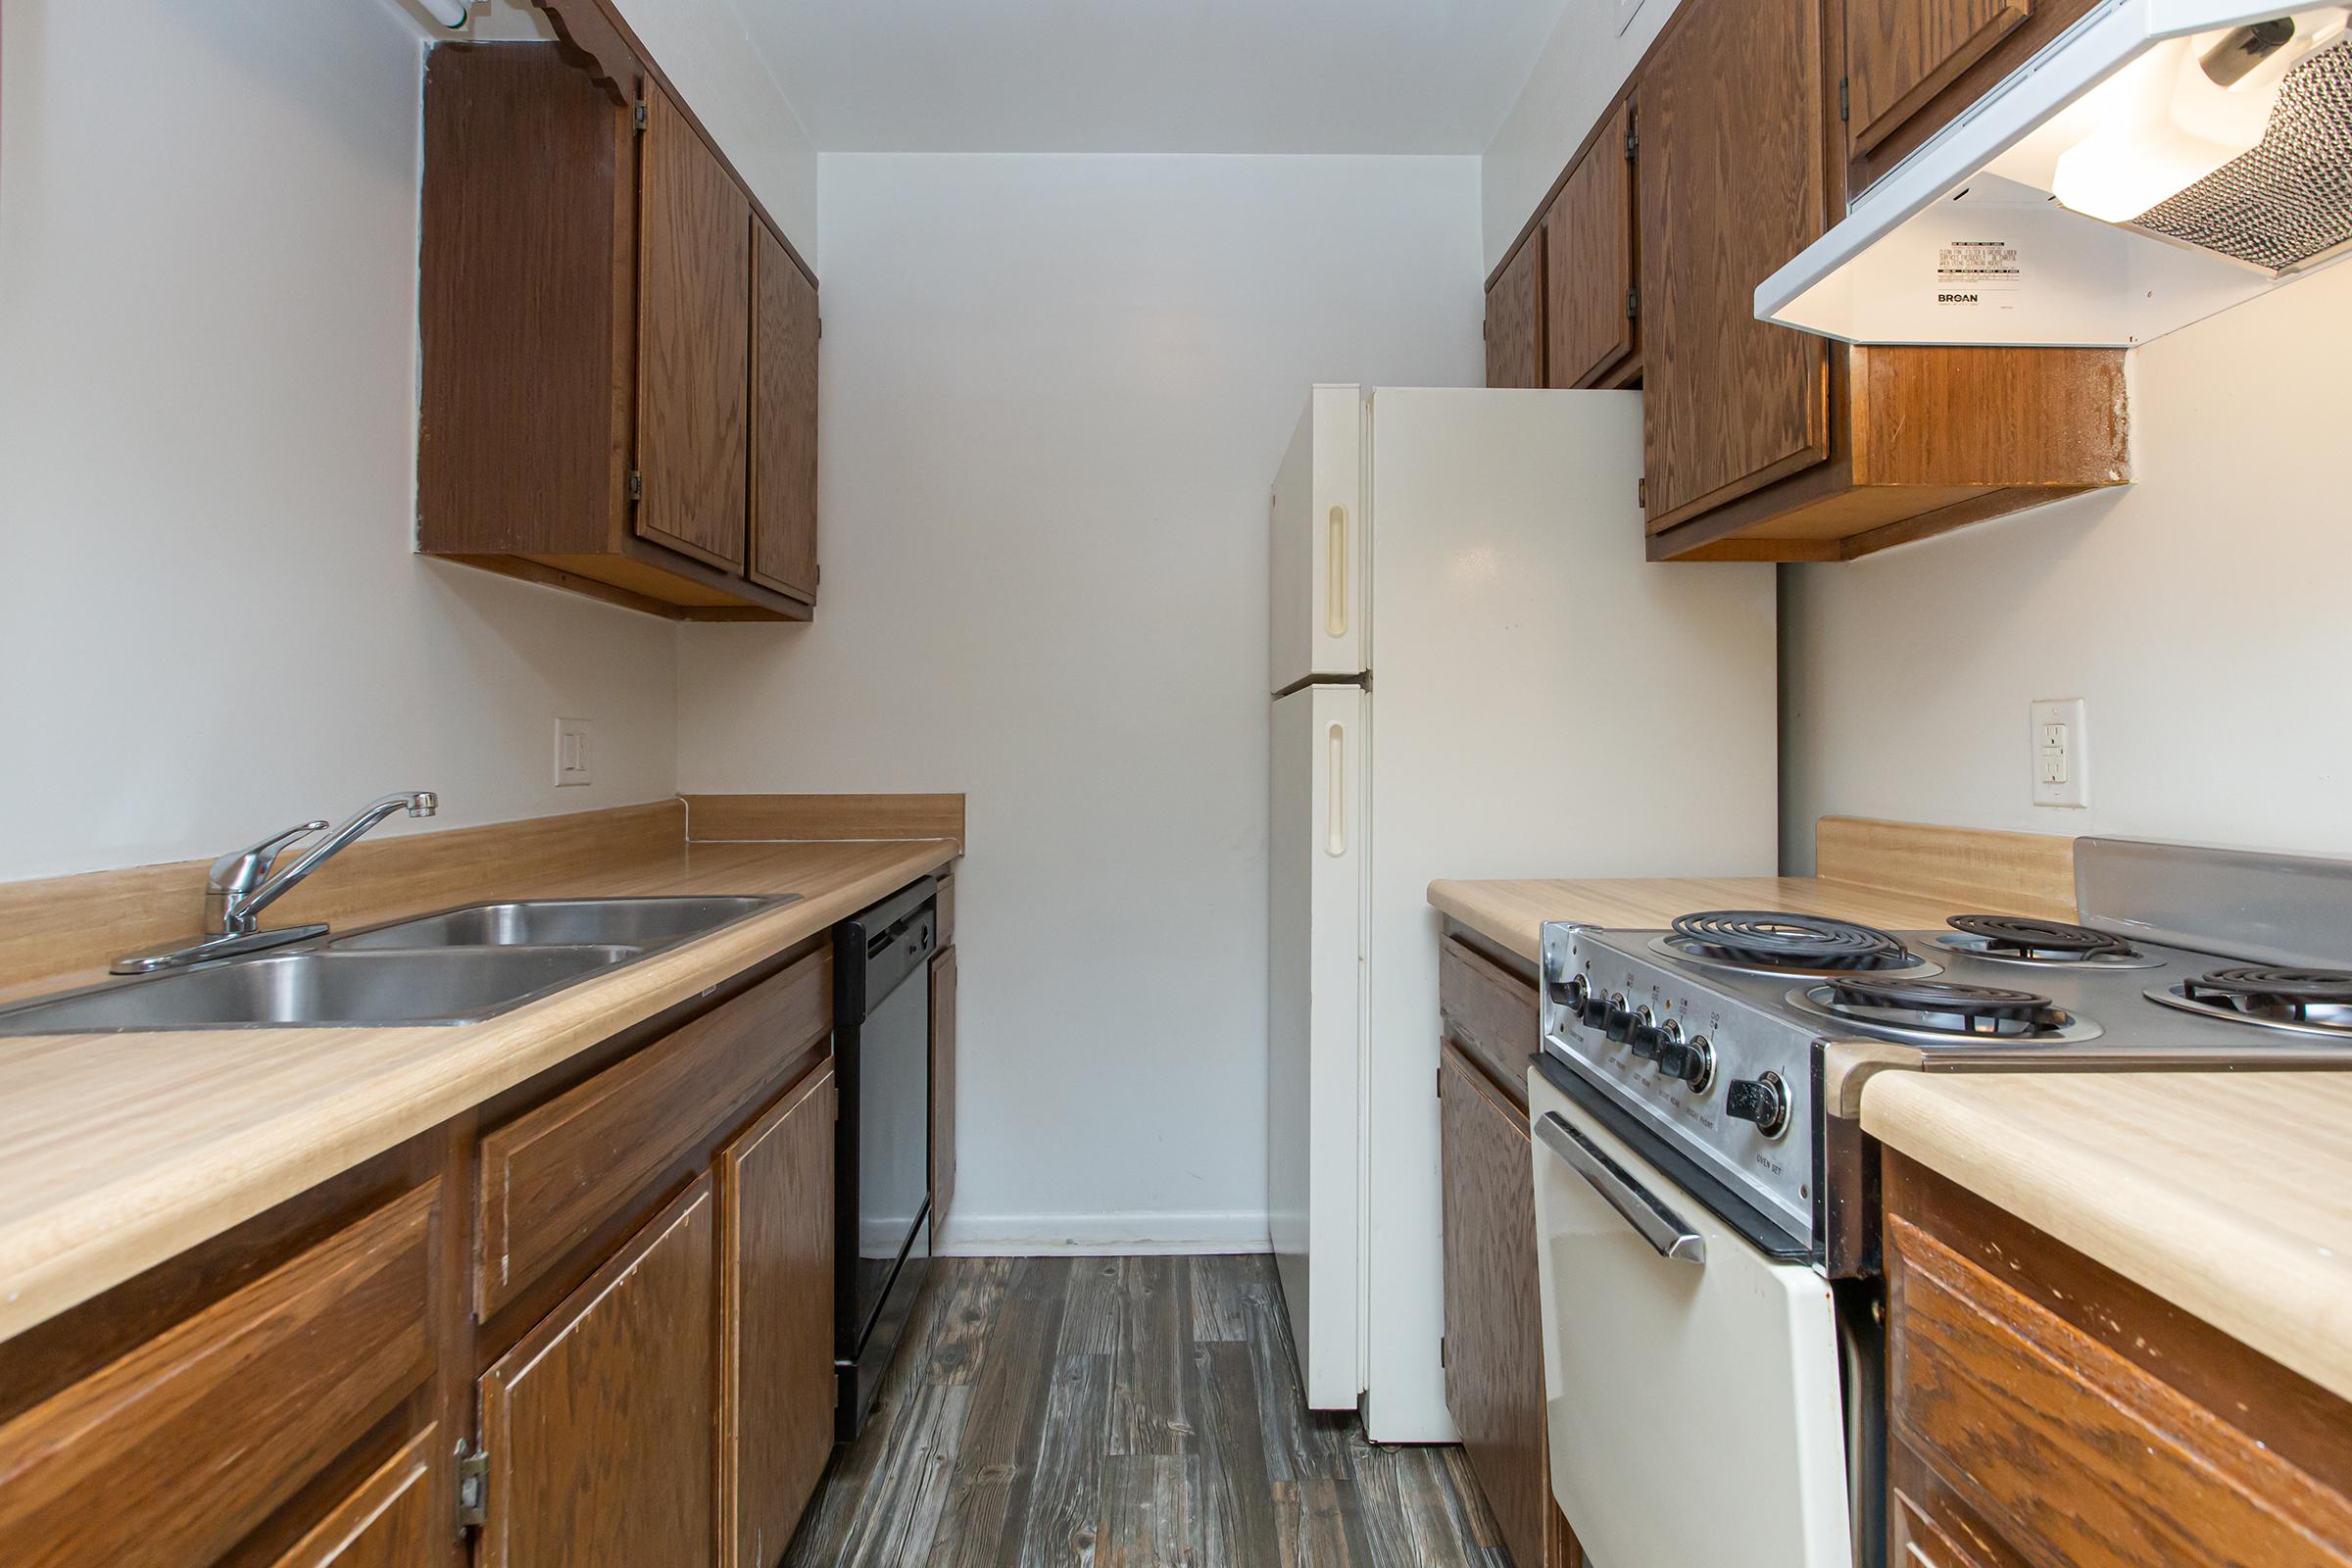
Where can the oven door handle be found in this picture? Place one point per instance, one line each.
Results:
(1658, 1225)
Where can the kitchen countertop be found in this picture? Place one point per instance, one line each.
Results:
(119, 1150)
(1513, 913)
(2234, 1203)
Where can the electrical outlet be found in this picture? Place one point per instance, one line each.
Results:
(571, 752)
(2061, 752)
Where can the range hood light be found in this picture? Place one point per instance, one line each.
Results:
(2170, 118)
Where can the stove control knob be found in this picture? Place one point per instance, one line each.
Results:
(1692, 1060)
(1763, 1101)
(1619, 1021)
(1594, 1009)
(1645, 1037)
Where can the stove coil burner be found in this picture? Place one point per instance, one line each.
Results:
(2022, 937)
(1947, 1006)
(2310, 996)
(1769, 941)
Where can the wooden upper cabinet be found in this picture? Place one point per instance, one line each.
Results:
(600, 1423)
(784, 332)
(587, 317)
(1901, 53)
(776, 1383)
(1515, 319)
(694, 339)
(1591, 314)
(1733, 177)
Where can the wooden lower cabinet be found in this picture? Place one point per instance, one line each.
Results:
(2044, 1410)
(386, 1522)
(600, 1424)
(776, 1385)
(943, 1084)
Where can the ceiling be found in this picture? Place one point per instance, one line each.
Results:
(1151, 75)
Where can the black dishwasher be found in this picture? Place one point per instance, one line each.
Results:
(882, 1064)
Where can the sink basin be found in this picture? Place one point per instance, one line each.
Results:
(321, 989)
(540, 922)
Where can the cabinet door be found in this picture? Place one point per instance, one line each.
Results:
(1493, 1339)
(385, 1523)
(1732, 187)
(1588, 302)
(694, 341)
(943, 1083)
(1901, 53)
(1515, 319)
(776, 1387)
(600, 1422)
(783, 420)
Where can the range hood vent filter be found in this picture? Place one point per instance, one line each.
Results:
(2288, 201)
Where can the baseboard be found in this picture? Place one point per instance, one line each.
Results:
(966, 1235)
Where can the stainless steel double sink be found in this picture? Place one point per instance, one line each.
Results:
(459, 966)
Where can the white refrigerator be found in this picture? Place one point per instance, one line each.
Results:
(1474, 672)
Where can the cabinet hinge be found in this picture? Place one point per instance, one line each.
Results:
(636, 485)
(1845, 107)
(1441, 1350)
(474, 1485)
(638, 116)
(1633, 303)
(1632, 138)
(1440, 1082)
(1642, 492)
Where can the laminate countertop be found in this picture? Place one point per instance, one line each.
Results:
(119, 1150)
(2229, 1194)
(1513, 913)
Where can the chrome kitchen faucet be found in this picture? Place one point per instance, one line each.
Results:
(242, 884)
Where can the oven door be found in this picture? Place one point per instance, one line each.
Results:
(1690, 1383)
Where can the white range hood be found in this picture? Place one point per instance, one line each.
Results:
(2158, 162)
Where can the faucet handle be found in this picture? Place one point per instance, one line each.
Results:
(241, 870)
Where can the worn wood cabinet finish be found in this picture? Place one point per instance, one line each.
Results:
(601, 1422)
(1733, 184)
(1515, 320)
(1901, 53)
(548, 1176)
(176, 1451)
(694, 339)
(386, 1522)
(1494, 1328)
(2044, 1410)
(943, 1079)
(784, 333)
(1591, 314)
(568, 344)
(775, 1260)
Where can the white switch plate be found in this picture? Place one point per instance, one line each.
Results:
(571, 752)
(2061, 753)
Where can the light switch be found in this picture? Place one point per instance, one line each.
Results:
(571, 752)
(2059, 758)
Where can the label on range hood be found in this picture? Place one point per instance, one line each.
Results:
(1978, 274)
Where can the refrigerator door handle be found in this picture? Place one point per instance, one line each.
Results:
(1336, 823)
(1335, 560)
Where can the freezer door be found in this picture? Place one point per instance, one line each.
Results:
(1318, 546)
(1691, 1384)
(1315, 1015)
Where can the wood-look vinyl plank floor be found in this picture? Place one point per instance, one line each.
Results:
(1124, 1413)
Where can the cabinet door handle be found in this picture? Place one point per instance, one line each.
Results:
(1336, 814)
(1661, 1227)
(1335, 561)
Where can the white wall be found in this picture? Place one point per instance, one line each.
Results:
(210, 616)
(1055, 393)
(1579, 71)
(2202, 615)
